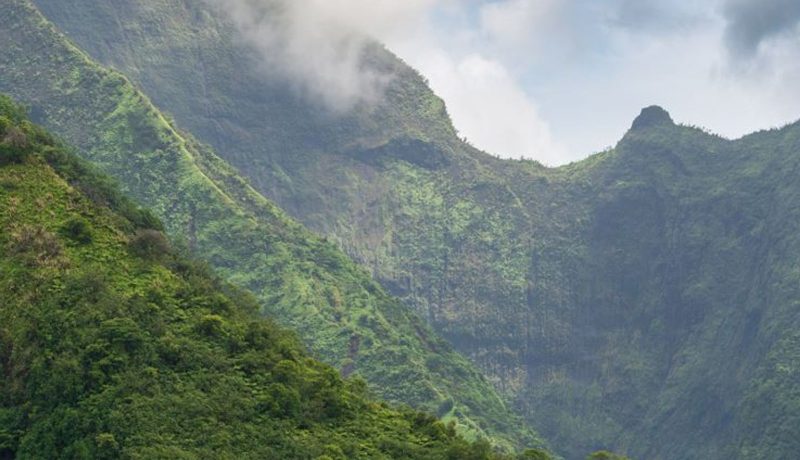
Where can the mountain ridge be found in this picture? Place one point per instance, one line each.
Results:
(300, 279)
(640, 299)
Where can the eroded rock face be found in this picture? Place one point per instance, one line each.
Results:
(652, 116)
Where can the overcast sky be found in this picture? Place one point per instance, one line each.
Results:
(553, 80)
(557, 80)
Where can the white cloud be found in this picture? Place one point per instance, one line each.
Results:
(554, 80)
(603, 61)
(515, 24)
(490, 109)
(487, 103)
(318, 45)
(497, 114)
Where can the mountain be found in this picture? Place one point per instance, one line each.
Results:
(643, 299)
(113, 345)
(301, 280)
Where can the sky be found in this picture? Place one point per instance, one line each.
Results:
(551, 80)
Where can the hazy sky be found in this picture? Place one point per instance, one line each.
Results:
(553, 80)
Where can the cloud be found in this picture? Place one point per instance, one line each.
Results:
(459, 53)
(553, 80)
(497, 114)
(750, 23)
(517, 23)
(490, 109)
(602, 61)
(319, 46)
(653, 16)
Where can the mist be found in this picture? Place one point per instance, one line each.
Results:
(544, 79)
(319, 46)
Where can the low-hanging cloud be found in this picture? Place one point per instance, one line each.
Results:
(319, 46)
(547, 79)
(751, 22)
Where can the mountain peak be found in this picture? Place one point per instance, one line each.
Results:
(652, 116)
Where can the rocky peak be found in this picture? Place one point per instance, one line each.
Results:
(650, 117)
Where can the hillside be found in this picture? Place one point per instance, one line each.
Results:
(115, 346)
(642, 299)
(299, 279)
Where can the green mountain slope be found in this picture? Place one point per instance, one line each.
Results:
(113, 346)
(692, 239)
(641, 299)
(347, 319)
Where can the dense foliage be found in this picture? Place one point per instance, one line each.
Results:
(302, 281)
(114, 346)
(642, 299)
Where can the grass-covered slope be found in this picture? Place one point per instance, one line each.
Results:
(303, 281)
(641, 299)
(113, 346)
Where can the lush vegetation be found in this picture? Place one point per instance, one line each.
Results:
(113, 345)
(642, 299)
(302, 281)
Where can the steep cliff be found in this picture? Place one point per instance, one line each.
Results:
(303, 281)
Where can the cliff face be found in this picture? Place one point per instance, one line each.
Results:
(301, 280)
(642, 299)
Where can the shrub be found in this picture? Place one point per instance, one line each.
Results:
(13, 146)
(90, 282)
(123, 332)
(16, 138)
(285, 400)
(37, 247)
(78, 230)
(445, 407)
(210, 325)
(107, 446)
(149, 244)
(141, 218)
